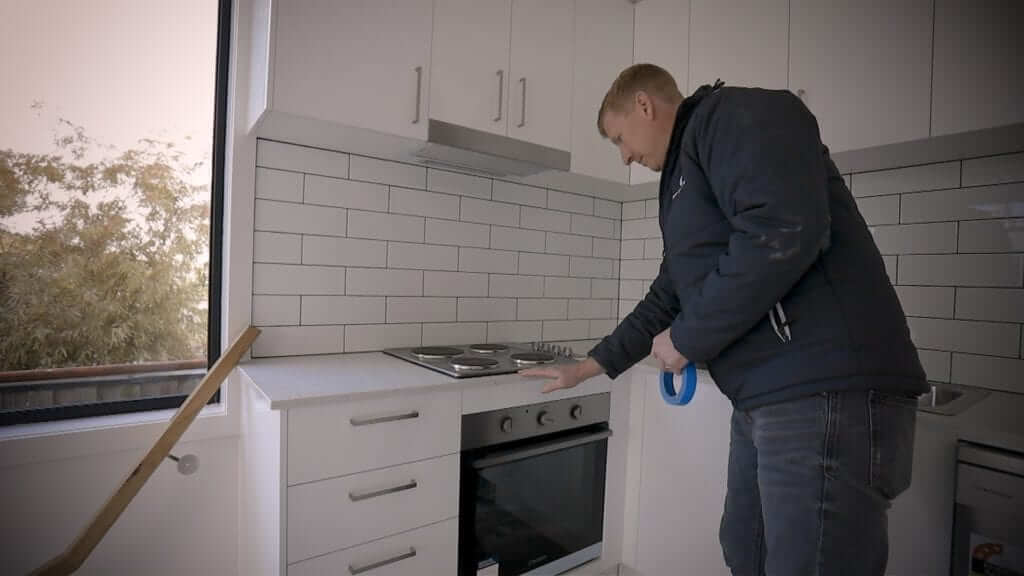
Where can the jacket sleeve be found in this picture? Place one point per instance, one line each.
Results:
(764, 161)
(631, 340)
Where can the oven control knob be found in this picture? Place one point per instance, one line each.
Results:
(544, 419)
(506, 425)
(576, 412)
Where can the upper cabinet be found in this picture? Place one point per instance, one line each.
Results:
(864, 68)
(362, 63)
(660, 36)
(979, 65)
(603, 47)
(741, 42)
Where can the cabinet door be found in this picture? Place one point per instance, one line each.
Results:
(540, 91)
(469, 83)
(322, 67)
(661, 36)
(864, 68)
(602, 49)
(743, 42)
(979, 65)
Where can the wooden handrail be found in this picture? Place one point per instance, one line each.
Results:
(75, 555)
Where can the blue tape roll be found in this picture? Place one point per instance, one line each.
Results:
(686, 390)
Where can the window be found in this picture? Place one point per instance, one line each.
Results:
(112, 129)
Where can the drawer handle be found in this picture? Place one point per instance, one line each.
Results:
(356, 569)
(356, 497)
(382, 419)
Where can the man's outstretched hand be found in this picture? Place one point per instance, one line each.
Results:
(665, 351)
(565, 375)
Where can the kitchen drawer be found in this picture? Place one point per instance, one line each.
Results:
(428, 551)
(335, 439)
(342, 512)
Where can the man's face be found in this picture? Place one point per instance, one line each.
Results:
(636, 134)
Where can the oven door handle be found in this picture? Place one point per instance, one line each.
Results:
(539, 449)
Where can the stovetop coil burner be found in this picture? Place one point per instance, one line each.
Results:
(472, 363)
(532, 358)
(435, 352)
(488, 348)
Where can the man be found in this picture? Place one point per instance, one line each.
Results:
(770, 276)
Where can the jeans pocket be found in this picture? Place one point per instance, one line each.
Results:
(893, 419)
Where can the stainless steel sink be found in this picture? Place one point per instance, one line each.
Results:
(949, 399)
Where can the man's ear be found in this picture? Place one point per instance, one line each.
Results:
(643, 104)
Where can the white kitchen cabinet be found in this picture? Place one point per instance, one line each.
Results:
(978, 79)
(470, 80)
(363, 63)
(864, 68)
(602, 49)
(661, 36)
(742, 42)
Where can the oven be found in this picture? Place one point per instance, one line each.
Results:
(532, 487)
(988, 518)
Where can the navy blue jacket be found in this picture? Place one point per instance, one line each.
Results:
(770, 275)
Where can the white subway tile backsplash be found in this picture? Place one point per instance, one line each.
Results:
(605, 248)
(540, 219)
(401, 310)
(454, 284)
(298, 340)
(517, 239)
(513, 331)
(848, 179)
(593, 226)
(632, 249)
(566, 330)
(990, 338)
(381, 336)
(581, 267)
(282, 156)
(278, 185)
(930, 301)
(420, 203)
(607, 209)
(566, 287)
(487, 212)
(992, 236)
(653, 248)
(998, 304)
(935, 364)
(986, 202)
(292, 279)
(345, 193)
(994, 170)
(385, 172)
(273, 216)
(878, 210)
(277, 248)
(382, 282)
(626, 306)
(422, 256)
(639, 269)
(993, 270)
(604, 288)
(380, 226)
(646, 228)
(570, 202)
(513, 286)
(543, 264)
(591, 309)
(891, 263)
(486, 309)
(318, 310)
(478, 260)
(631, 289)
(651, 208)
(988, 372)
(344, 252)
(541, 309)
(275, 310)
(454, 333)
(915, 178)
(570, 244)
(937, 238)
(602, 328)
(458, 233)
(455, 183)
(520, 194)
(633, 210)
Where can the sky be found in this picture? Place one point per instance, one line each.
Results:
(121, 69)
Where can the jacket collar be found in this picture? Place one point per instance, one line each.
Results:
(675, 142)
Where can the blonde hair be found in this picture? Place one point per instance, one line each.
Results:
(648, 78)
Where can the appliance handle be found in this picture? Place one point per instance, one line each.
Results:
(539, 449)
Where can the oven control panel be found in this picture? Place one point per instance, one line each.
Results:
(520, 422)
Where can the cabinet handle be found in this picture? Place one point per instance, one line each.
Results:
(419, 90)
(501, 93)
(382, 419)
(522, 118)
(354, 569)
(358, 496)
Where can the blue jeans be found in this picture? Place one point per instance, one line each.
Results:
(810, 484)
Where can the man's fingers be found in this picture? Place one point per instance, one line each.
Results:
(541, 372)
(552, 385)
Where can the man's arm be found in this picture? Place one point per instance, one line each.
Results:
(765, 164)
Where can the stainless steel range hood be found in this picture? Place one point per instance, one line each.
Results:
(453, 146)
